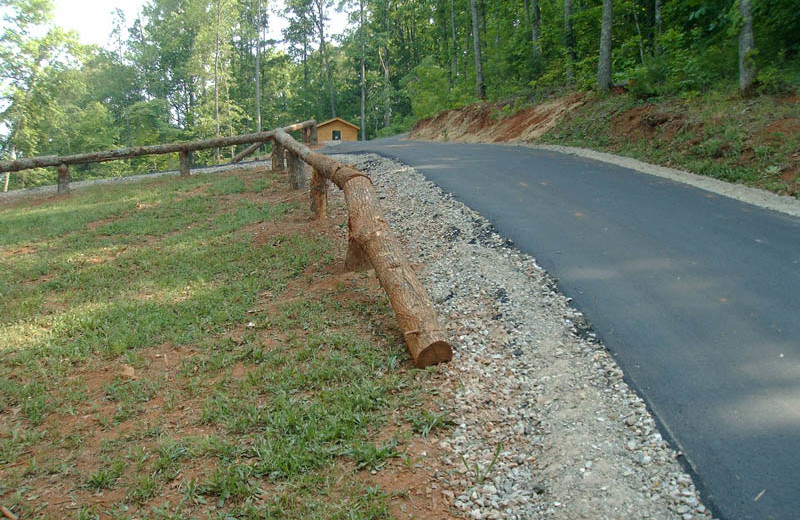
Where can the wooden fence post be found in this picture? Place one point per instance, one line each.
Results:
(186, 162)
(63, 179)
(314, 134)
(319, 195)
(297, 179)
(277, 156)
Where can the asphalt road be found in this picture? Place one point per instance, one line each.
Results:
(696, 295)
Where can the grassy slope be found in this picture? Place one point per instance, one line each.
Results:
(188, 349)
(754, 142)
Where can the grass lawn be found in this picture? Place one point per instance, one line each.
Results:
(191, 348)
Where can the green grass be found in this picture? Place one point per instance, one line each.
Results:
(150, 348)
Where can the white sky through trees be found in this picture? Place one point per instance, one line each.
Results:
(92, 19)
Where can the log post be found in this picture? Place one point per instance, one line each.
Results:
(277, 157)
(319, 195)
(297, 179)
(313, 132)
(186, 162)
(425, 337)
(356, 260)
(63, 179)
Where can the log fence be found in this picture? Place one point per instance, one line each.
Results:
(371, 242)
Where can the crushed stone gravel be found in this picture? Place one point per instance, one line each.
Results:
(545, 425)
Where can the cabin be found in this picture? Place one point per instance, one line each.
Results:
(337, 129)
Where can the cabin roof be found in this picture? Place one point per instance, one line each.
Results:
(329, 121)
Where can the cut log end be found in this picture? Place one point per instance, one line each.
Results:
(435, 353)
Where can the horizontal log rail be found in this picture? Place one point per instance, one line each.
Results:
(371, 240)
(184, 149)
(138, 151)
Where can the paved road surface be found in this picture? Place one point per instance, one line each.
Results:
(696, 295)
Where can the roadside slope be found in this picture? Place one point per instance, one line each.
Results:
(752, 142)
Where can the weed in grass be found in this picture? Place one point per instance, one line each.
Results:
(425, 422)
(145, 488)
(192, 492)
(369, 456)
(480, 474)
(87, 513)
(229, 481)
(105, 477)
(169, 454)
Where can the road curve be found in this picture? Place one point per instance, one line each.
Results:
(696, 295)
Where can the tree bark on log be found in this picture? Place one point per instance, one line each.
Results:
(319, 195)
(297, 179)
(138, 151)
(247, 152)
(186, 162)
(425, 337)
(278, 157)
(63, 179)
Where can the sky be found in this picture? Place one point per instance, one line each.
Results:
(92, 19)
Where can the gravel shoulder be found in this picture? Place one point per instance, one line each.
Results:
(546, 427)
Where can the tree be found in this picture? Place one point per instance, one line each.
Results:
(747, 65)
(362, 38)
(569, 42)
(480, 86)
(319, 21)
(604, 66)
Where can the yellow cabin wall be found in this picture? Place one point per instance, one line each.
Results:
(325, 132)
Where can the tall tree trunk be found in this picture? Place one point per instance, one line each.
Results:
(747, 65)
(259, 28)
(13, 154)
(638, 32)
(604, 66)
(363, 73)
(536, 28)
(216, 73)
(455, 39)
(569, 42)
(480, 87)
(387, 114)
(657, 17)
(323, 47)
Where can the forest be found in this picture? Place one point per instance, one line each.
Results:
(188, 69)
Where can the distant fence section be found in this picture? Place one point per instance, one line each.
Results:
(370, 243)
(183, 149)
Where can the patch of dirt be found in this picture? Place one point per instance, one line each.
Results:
(645, 122)
(493, 122)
